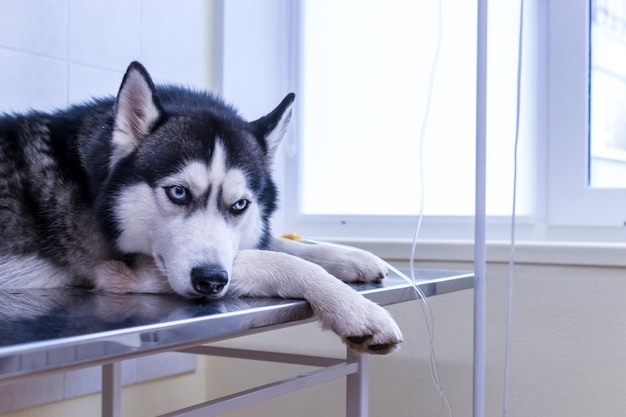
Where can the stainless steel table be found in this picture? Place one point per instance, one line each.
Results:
(51, 330)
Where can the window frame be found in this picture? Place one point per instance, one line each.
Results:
(568, 75)
(549, 104)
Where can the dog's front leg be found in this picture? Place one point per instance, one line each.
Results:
(347, 264)
(142, 276)
(362, 324)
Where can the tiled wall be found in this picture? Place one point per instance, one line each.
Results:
(57, 52)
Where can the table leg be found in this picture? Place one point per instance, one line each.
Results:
(112, 389)
(357, 395)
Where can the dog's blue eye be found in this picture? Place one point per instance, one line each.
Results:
(178, 194)
(240, 206)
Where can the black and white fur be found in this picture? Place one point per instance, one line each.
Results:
(164, 189)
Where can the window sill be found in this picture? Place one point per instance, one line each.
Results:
(526, 252)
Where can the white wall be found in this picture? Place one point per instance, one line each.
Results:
(56, 52)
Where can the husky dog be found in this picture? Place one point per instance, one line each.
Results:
(164, 189)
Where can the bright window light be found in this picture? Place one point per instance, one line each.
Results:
(365, 69)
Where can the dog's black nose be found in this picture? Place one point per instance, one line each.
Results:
(209, 280)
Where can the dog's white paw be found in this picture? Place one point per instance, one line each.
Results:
(364, 326)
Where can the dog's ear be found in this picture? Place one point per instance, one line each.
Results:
(270, 129)
(137, 110)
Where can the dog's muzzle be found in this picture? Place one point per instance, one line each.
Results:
(209, 280)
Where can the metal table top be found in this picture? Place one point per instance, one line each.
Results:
(52, 329)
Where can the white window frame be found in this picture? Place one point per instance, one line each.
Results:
(568, 128)
(554, 117)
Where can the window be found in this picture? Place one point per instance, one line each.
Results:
(607, 113)
(570, 198)
(352, 64)
(364, 91)
(364, 86)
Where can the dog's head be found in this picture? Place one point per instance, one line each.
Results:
(188, 181)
